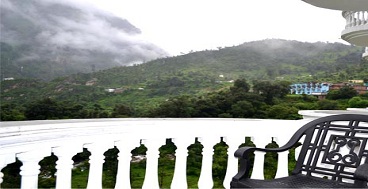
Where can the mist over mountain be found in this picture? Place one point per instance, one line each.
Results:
(45, 39)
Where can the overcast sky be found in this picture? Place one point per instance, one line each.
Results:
(179, 26)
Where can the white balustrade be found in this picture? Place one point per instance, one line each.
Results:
(30, 168)
(355, 18)
(260, 142)
(151, 177)
(124, 158)
(64, 163)
(232, 162)
(96, 162)
(282, 164)
(180, 173)
(205, 178)
(31, 141)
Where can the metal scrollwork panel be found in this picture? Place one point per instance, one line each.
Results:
(344, 150)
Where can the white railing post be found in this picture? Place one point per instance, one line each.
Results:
(124, 157)
(4, 161)
(96, 161)
(180, 173)
(30, 168)
(64, 164)
(232, 162)
(205, 178)
(151, 177)
(282, 164)
(258, 166)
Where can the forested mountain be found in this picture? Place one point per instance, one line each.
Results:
(46, 39)
(197, 73)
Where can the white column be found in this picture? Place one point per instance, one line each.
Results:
(5, 159)
(96, 161)
(232, 162)
(283, 161)
(351, 19)
(64, 164)
(151, 177)
(123, 175)
(180, 173)
(205, 178)
(258, 172)
(30, 168)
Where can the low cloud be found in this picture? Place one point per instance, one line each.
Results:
(74, 30)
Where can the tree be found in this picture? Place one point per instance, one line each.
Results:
(43, 109)
(240, 85)
(122, 110)
(357, 102)
(282, 112)
(181, 106)
(271, 90)
(11, 112)
(345, 92)
(242, 109)
(327, 105)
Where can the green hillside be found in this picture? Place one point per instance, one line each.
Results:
(146, 85)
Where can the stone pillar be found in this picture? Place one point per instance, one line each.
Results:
(64, 164)
(123, 175)
(96, 161)
(258, 172)
(283, 161)
(30, 168)
(205, 179)
(232, 162)
(151, 177)
(180, 173)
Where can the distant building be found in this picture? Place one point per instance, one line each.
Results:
(110, 90)
(356, 81)
(361, 89)
(309, 88)
(119, 90)
(8, 79)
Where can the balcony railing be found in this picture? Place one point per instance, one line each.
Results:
(356, 28)
(355, 18)
(31, 141)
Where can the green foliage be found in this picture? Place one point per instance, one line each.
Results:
(44, 109)
(358, 102)
(327, 105)
(218, 165)
(282, 112)
(271, 90)
(11, 112)
(345, 92)
(122, 110)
